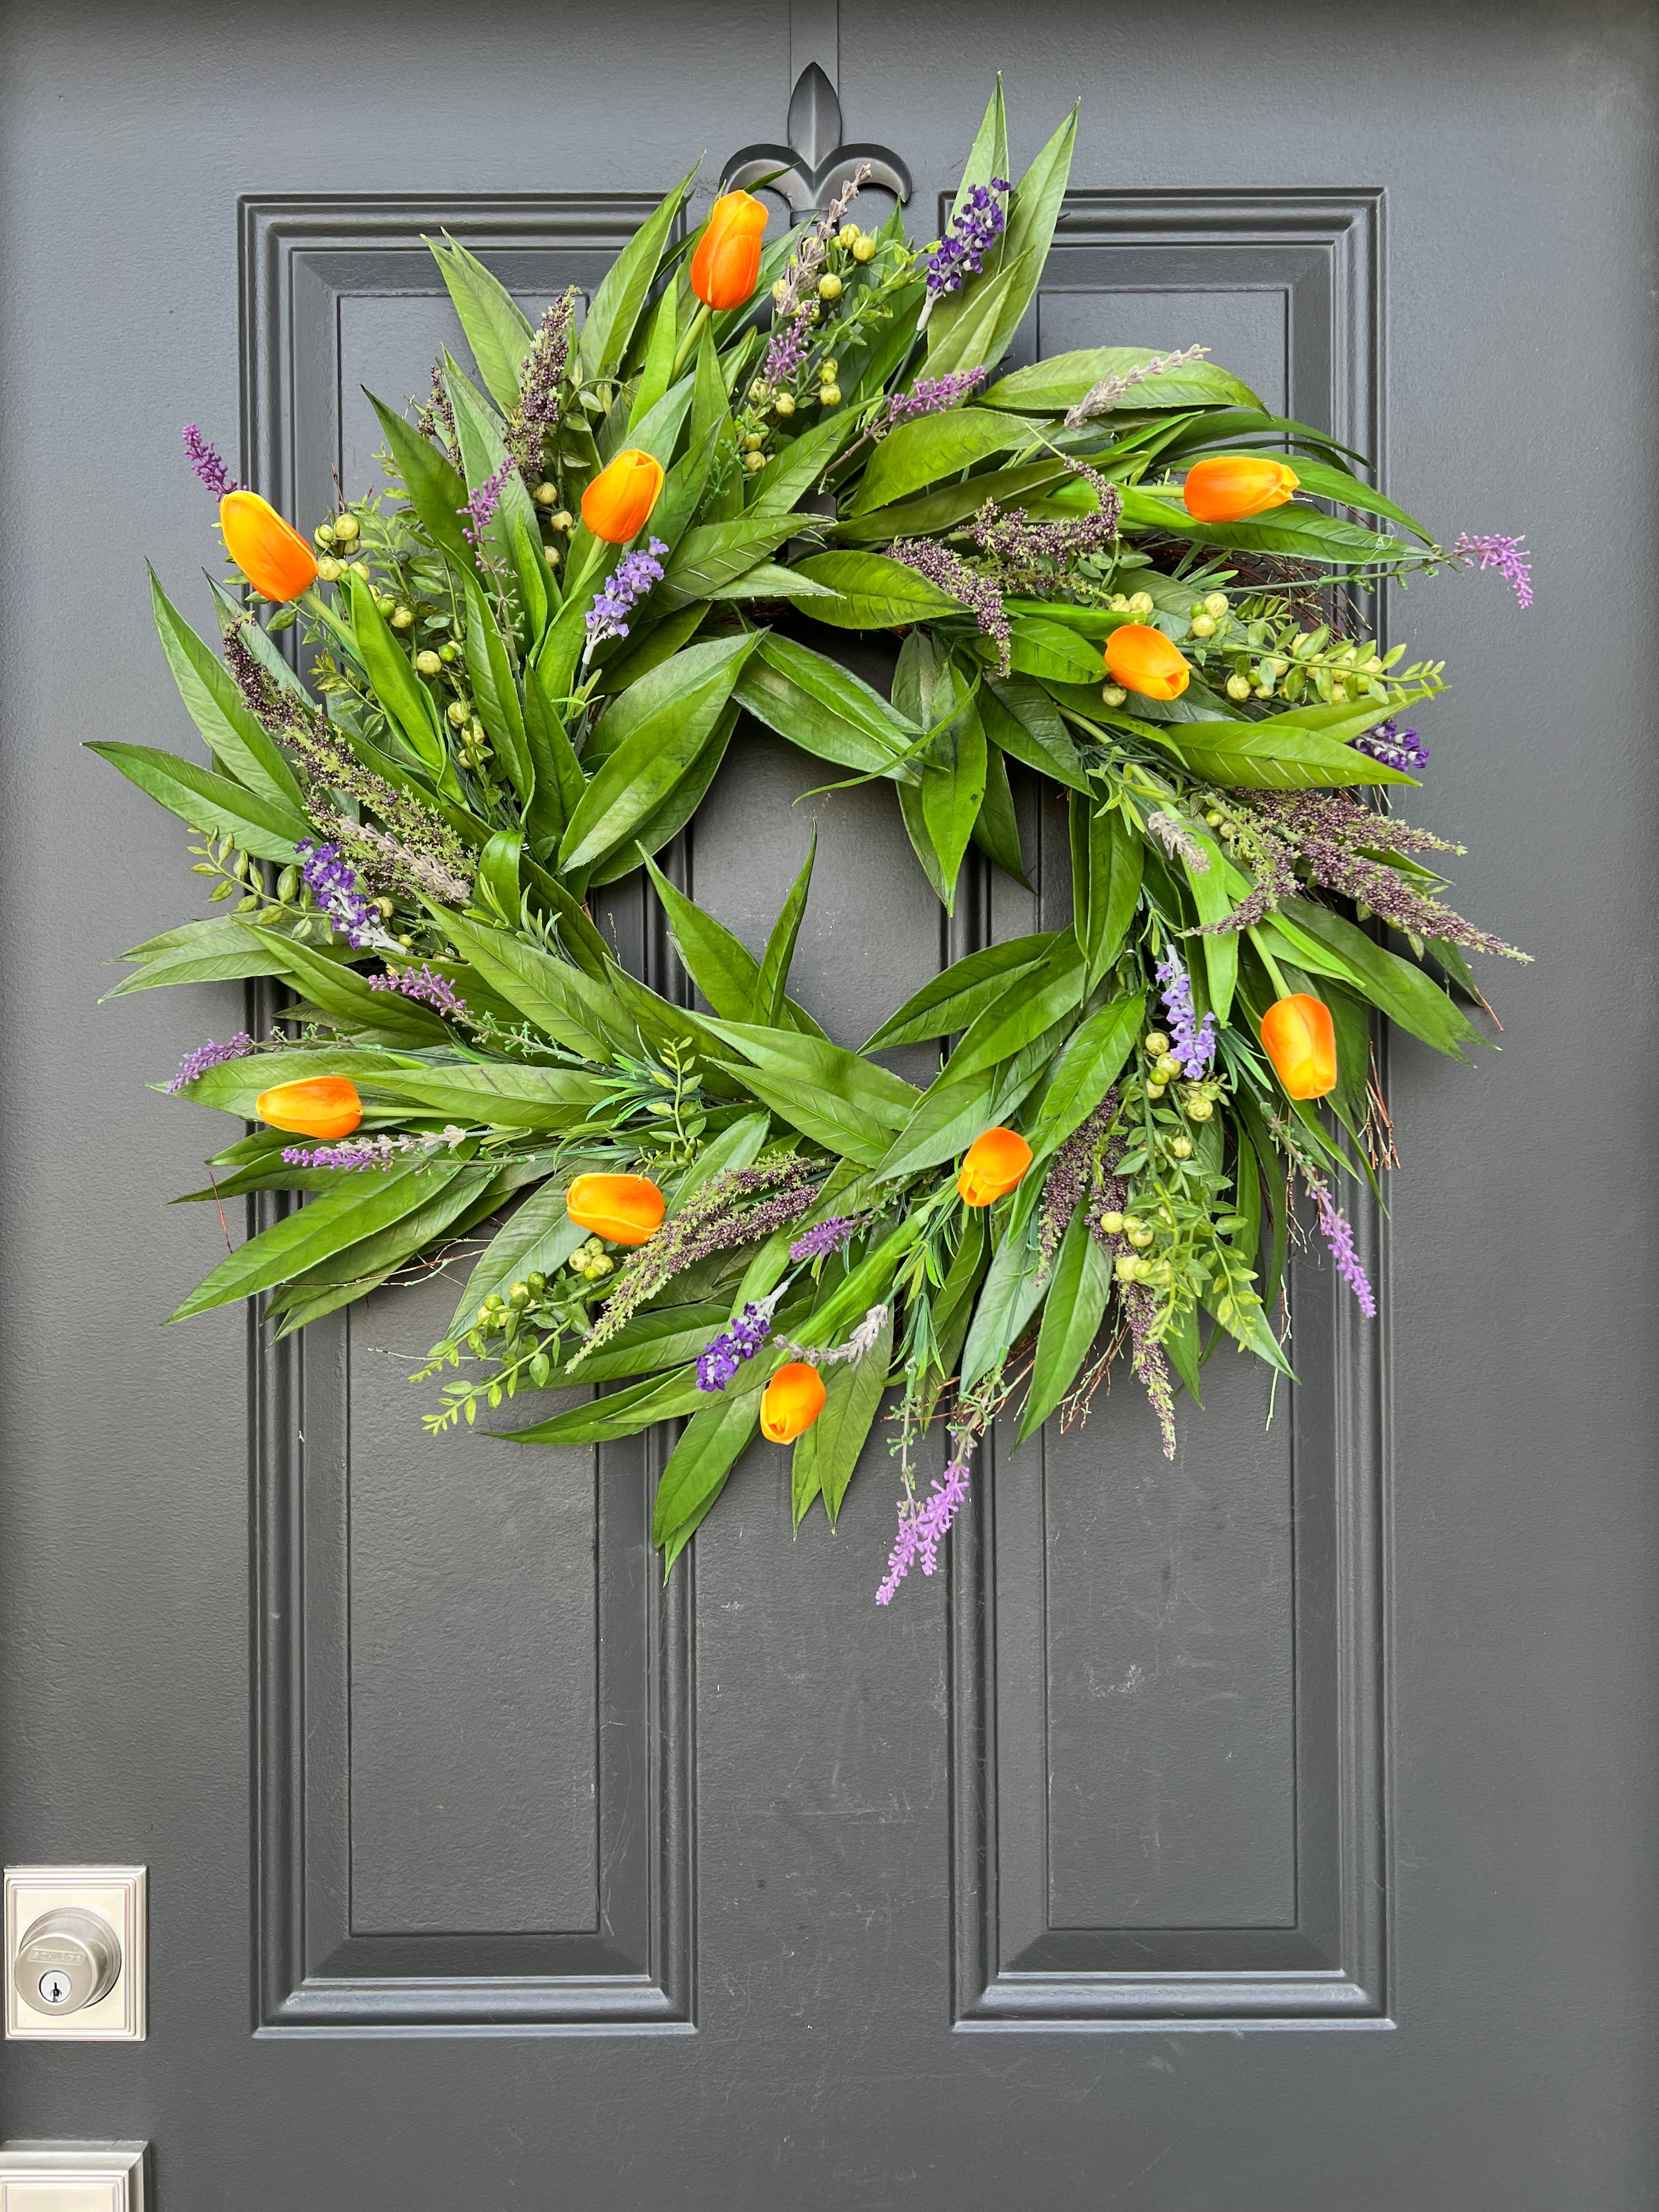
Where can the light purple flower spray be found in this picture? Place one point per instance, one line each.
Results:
(620, 593)
(1508, 555)
(1193, 1040)
(204, 458)
(209, 1055)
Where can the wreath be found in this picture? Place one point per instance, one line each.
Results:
(1115, 570)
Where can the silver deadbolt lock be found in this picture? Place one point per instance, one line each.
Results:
(67, 1959)
(75, 1938)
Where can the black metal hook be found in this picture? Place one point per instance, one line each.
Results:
(814, 167)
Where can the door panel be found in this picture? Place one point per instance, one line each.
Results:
(556, 1887)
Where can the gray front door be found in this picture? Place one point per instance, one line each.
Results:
(1272, 1831)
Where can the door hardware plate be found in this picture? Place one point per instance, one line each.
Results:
(115, 1894)
(52, 2177)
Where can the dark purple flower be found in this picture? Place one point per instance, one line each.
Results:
(1193, 1040)
(333, 882)
(825, 1238)
(953, 575)
(481, 505)
(721, 1356)
(1395, 747)
(1339, 1236)
(209, 1055)
(425, 984)
(537, 415)
(622, 590)
(204, 458)
(975, 227)
(1508, 555)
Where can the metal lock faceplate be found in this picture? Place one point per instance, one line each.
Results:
(52, 2177)
(75, 1954)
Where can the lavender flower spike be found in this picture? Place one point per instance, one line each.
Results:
(721, 1357)
(1395, 747)
(346, 1155)
(825, 1238)
(209, 1055)
(481, 505)
(960, 254)
(427, 987)
(930, 395)
(953, 575)
(333, 882)
(620, 593)
(1195, 1041)
(1508, 555)
(204, 458)
(924, 1523)
(1339, 1238)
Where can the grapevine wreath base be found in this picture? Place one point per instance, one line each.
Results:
(1115, 569)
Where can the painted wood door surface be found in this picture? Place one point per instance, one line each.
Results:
(1271, 1830)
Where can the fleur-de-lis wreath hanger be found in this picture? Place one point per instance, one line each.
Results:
(814, 167)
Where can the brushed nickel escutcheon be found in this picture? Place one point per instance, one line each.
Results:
(75, 1954)
(58, 2177)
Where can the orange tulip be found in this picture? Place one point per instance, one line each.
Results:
(1301, 1044)
(324, 1106)
(995, 1162)
(726, 266)
(275, 559)
(1232, 486)
(618, 504)
(625, 1208)
(790, 1401)
(1143, 659)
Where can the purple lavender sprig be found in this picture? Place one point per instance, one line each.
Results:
(1508, 555)
(333, 882)
(787, 347)
(347, 1155)
(425, 985)
(1394, 747)
(721, 1356)
(209, 1055)
(1338, 1238)
(929, 395)
(1193, 1040)
(925, 1522)
(482, 504)
(204, 458)
(825, 1238)
(974, 229)
(620, 593)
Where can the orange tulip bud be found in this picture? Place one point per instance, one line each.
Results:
(625, 1208)
(995, 1162)
(1143, 659)
(1301, 1043)
(275, 560)
(1232, 486)
(325, 1106)
(726, 266)
(790, 1401)
(618, 504)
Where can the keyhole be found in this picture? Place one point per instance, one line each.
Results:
(54, 1989)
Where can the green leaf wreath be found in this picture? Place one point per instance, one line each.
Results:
(1116, 571)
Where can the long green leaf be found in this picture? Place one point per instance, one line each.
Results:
(1089, 1065)
(932, 447)
(538, 1238)
(436, 491)
(650, 738)
(490, 671)
(1053, 385)
(1072, 1316)
(1396, 986)
(608, 330)
(822, 707)
(1285, 752)
(619, 1413)
(772, 982)
(212, 803)
(235, 734)
(1030, 1006)
(496, 327)
(1021, 718)
(827, 1454)
(398, 688)
(872, 592)
(363, 1203)
(344, 995)
(562, 1000)
(698, 1467)
(960, 992)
